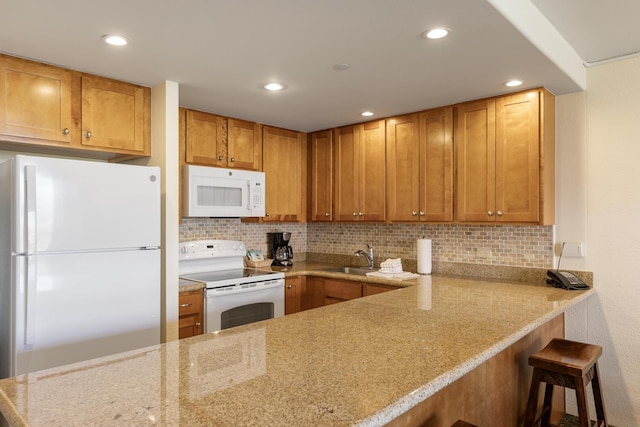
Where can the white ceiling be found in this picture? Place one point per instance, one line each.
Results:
(219, 51)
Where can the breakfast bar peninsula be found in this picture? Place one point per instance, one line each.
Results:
(440, 350)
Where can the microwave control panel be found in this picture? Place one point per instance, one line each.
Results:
(256, 194)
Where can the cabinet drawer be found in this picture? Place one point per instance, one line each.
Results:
(341, 289)
(190, 303)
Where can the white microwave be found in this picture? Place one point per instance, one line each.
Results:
(222, 193)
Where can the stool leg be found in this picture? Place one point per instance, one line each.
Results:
(546, 407)
(597, 395)
(532, 403)
(581, 397)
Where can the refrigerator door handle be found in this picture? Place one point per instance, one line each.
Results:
(30, 302)
(30, 199)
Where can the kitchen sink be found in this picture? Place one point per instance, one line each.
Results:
(360, 271)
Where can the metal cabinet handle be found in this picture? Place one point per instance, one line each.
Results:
(327, 214)
(414, 213)
(185, 305)
(421, 213)
(355, 214)
(233, 159)
(499, 213)
(220, 157)
(65, 131)
(360, 213)
(89, 134)
(289, 286)
(490, 213)
(197, 324)
(266, 214)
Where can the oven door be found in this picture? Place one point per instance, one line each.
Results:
(247, 303)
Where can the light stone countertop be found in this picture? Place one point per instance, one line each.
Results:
(360, 362)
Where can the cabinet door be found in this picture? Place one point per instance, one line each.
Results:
(205, 139)
(436, 165)
(36, 102)
(518, 158)
(372, 171)
(403, 163)
(346, 182)
(336, 291)
(244, 145)
(475, 153)
(376, 289)
(115, 116)
(190, 312)
(284, 160)
(321, 176)
(292, 294)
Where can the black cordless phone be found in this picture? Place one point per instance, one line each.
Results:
(565, 280)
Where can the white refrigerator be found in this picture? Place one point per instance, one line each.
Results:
(79, 261)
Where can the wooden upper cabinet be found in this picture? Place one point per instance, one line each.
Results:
(372, 175)
(205, 139)
(420, 166)
(36, 103)
(244, 145)
(506, 160)
(212, 140)
(320, 168)
(475, 154)
(284, 164)
(115, 115)
(50, 106)
(347, 191)
(436, 165)
(359, 172)
(403, 168)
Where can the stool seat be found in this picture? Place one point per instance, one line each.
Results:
(568, 364)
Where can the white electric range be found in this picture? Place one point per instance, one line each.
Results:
(234, 295)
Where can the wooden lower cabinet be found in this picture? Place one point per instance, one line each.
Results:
(293, 292)
(321, 291)
(370, 289)
(341, 290)
(494, 393)
(191, 313)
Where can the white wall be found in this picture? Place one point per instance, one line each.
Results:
(611, 318)
(164, 148)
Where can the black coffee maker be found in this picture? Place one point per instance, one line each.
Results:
(279, 249)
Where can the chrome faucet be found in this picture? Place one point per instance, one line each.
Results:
(368, 256)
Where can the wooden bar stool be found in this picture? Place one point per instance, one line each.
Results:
(567, 364)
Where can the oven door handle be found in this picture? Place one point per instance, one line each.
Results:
(245, 287)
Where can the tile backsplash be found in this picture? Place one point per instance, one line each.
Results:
(508, 245)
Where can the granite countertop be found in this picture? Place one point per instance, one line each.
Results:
(360, 362)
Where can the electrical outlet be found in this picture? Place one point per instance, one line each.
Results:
(572, 249)
(483, 253)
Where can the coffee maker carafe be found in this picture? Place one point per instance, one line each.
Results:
(279, 249)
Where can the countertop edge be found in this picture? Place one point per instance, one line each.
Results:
(422, 393)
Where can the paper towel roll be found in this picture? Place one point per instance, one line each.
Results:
(424, 256)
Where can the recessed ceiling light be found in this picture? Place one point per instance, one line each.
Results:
(274, 86)
(367, 113)
(513, 83)
(115, 40)
(436, 33)
(342, 66)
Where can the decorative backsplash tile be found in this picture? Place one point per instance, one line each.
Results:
(507, 245)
